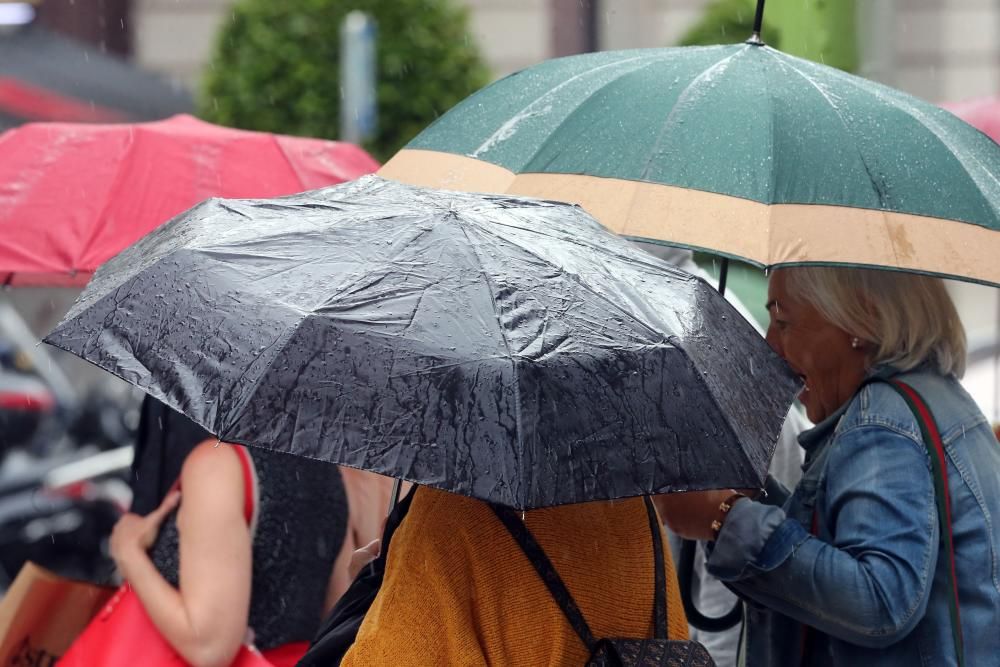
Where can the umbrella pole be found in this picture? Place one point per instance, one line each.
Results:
(758, 21)
(723, 275)
(397, 485)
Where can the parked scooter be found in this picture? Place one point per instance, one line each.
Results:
(63, 476)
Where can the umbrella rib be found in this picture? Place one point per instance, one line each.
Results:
(871, 178)
(643, 260)
(688, 90)
(914, 112)
(284, 156)
(505, 130)
(552, 134)
(288, 335)
(112, 192)
(715, 401)
(589, 289)
(510, 354)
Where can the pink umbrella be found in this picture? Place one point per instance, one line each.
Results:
(72, 195)
(982, 113)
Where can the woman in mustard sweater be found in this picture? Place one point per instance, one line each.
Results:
(458, 590)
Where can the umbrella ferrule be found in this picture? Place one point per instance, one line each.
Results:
(758, 24)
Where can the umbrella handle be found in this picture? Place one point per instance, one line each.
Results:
(685, 580)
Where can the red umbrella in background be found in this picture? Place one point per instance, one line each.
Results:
(982, 380)
(72, 195)
(982, 113)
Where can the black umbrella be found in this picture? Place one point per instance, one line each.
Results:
(503, 348)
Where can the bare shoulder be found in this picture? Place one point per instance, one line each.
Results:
(212, 471)
(365, 487)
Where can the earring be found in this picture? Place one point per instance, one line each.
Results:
(855, 343)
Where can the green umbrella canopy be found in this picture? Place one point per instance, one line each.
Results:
(741, 150)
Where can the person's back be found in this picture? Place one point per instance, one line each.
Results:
(459, 590)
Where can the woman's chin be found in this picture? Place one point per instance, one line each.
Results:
(813, 411)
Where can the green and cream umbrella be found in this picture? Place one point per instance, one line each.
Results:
(739, 150)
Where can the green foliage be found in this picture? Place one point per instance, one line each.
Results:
(819, 30)
(275, 67)
(728, 22)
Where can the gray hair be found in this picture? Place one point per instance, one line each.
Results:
(908, 319)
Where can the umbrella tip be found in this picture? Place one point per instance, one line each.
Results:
(758, 23)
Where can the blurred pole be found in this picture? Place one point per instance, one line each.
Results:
(357, 78)
(103, 23)
(14, 329)
(876, 23)
(574, 26)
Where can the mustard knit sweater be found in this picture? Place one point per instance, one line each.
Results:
(458, 590)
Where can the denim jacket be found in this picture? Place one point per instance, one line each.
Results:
(871, 584)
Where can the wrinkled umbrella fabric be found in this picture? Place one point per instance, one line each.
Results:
(511, 350)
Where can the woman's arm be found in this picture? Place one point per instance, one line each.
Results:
(871, 586)
(206, 619)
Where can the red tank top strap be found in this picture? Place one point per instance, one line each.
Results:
(249, 482)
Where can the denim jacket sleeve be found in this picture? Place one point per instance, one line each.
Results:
(869, 583)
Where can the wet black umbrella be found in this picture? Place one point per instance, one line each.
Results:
(503, 348)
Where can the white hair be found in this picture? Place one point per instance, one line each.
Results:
(907, 319)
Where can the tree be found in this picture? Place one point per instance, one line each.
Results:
(727, 22)
(818, 30)
(276, 67)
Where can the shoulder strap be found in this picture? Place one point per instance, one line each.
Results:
(249, 486)
(543, 566)
(250, 490)
(660, 580)
(939, 467)
(536, 555)
(942, 497)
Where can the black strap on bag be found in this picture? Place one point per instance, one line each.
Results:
(338, 632)
(620, 652)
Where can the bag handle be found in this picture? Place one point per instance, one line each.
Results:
(660, 578)
(557, 588)
(942, 496)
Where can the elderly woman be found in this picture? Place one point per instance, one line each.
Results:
(851, 568)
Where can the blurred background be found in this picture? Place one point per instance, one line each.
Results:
(306, 67)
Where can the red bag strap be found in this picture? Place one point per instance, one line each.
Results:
(249, 485)
(939, 470)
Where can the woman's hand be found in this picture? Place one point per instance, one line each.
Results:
(134, 535)
(363, 556)
(690, 514)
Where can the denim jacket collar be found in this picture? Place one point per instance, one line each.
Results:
(810, 439)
